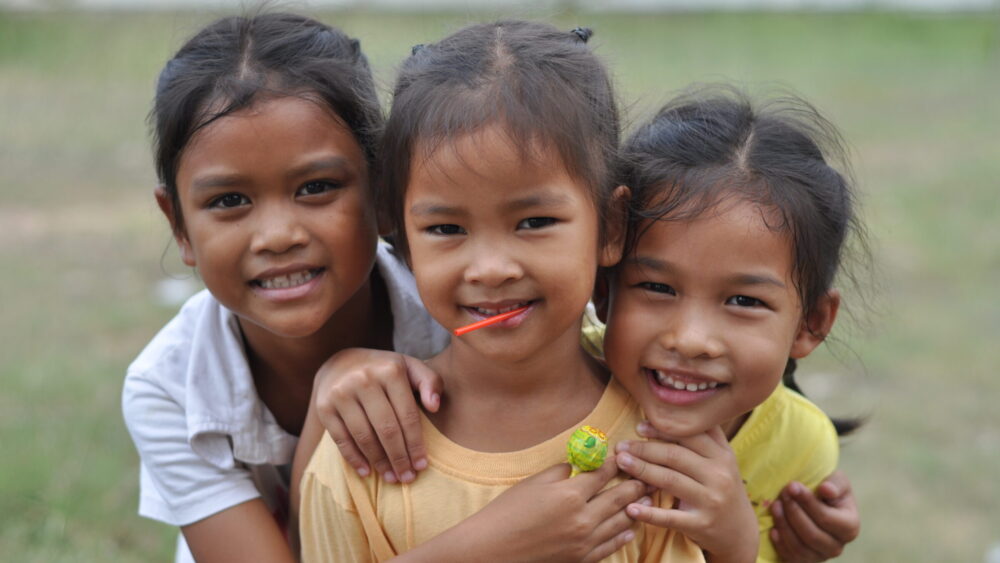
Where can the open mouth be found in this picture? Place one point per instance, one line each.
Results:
(485, 312)
(287, 280)
(677, 382)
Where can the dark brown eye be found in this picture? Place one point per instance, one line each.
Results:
(230, 200)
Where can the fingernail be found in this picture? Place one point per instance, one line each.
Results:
(643, 428)
(407, 476)
(796, 488)
(363, 471)
(621, 447)
(632, 510)
(389, 477)
(776, 508)
(625, 460)
(629, 535)
(420, 464)
(646, 501)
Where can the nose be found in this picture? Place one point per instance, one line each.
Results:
(692, 333)
(277, 229)
(492, 265)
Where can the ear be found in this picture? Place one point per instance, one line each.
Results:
(614, 227)
(814, 329)
(176, 226)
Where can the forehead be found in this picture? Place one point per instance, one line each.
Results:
(490, 161)
(734, 235)
(272, 131)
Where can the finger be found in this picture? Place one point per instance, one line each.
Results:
(786, 542)
(706, 444)
(669, 480)
(591, 482)
(684, 522)
(345, 443)
(408, 416)
(807, 531)
(666, 455)
(426, 381)
(711, 444)
(609, 547)
(834, 488)
(382, 417)
(840, 521)
(613, 501)
(361, 430)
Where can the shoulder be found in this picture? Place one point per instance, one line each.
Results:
(786, 438)
(170, 348)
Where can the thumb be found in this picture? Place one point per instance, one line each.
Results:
(426, 381)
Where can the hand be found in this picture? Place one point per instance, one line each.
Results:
(364, 399)
(702, 473)
(815, 527)
(547, 517)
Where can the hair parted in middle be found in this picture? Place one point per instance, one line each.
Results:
(543, 86)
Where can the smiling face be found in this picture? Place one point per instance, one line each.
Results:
(704, 316)
(276, 215)
(490, 231)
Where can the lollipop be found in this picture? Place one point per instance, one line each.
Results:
(586, 449)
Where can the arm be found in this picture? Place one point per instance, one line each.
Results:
(815, 527)
(245, 532)
(219, 510)
(701, 472)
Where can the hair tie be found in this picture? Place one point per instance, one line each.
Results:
(582, 33)
(416, 48)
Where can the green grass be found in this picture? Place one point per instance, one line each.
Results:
(915, 95)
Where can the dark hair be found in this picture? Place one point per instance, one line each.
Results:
(713, 143)
(236, 61)
(540, 83)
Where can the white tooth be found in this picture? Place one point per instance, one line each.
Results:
(692, 386)
(296, 278)
(712, 385)
(660, 378)
(678, 385)
(702, 386)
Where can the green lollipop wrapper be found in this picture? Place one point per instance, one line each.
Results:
(586, 449)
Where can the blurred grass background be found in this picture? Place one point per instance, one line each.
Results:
(917, 96)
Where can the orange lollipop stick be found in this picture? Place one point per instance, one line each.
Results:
(490, 321)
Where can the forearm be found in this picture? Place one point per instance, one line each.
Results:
(245, 532)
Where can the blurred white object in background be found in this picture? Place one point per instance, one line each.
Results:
(171, 292)
(993, 554)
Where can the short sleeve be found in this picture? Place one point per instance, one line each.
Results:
(336, 520)
(177, 486)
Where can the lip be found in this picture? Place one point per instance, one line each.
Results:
(512, 322)
(681, 397)
(287, 293)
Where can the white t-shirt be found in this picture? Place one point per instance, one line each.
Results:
(205, 439)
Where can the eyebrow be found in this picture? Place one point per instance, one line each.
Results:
(736, 279)
(335, 164)
(328, 164)
(520, 204)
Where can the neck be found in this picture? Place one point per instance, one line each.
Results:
(284, 367)
(533, 399)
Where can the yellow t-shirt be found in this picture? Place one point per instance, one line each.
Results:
(344, 517)
(786, 438)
